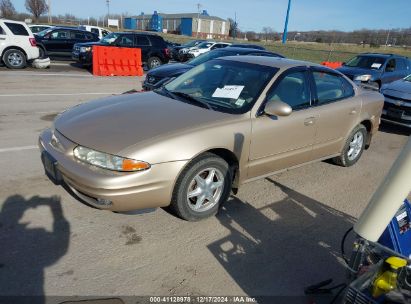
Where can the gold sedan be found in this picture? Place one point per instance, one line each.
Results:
(224, 123)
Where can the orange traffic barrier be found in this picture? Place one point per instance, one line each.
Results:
(115, 61)
(332, 64)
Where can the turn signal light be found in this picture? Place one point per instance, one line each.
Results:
(134, 165)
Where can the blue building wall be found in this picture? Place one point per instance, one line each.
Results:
(187, 26)
(130, 23)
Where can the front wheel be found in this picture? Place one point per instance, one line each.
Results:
(201, 188)
(353, 148)
(14, 59)
(153, 62)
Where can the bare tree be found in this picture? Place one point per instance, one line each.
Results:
(7, 9)
(268, 32)
(36, 7)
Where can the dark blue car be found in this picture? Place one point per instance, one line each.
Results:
(376, 69)
(158, 76)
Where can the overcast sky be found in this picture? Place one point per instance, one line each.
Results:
(253, 15)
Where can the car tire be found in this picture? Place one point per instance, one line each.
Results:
(201, 188)
(14, 59)
(353, 148)
(42, 53)
(153, 62)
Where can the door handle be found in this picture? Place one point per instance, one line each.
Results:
(309, 121)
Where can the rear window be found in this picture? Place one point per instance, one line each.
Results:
(1, 31)
(157, 41)
(17, 29)
(142, 40)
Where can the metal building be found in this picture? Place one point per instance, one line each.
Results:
(190, 24)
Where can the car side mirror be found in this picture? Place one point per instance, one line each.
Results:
(277, 108)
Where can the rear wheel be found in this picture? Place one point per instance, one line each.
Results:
(14, 59)
(153, 62)
(353, 148)
(201, 188)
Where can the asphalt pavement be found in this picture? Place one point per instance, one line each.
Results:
(275, 237)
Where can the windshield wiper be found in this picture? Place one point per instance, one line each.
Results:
(191, 98)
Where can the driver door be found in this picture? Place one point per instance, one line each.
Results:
(282, 142)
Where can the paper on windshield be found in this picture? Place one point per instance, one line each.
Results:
(228, 91)
(376, 65)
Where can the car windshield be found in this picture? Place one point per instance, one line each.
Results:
(44, 32)
(224, 85)
(109, 39)
(204, 45)
(366, 62)
(408, 78)
(208, 56)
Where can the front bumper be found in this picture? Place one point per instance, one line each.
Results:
(125, 190)
(83, 58)
(397, 111)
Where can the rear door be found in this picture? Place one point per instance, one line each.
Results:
(338, 111)
(282, 142)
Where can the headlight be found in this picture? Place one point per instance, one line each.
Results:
(85, 49)
(108, 161)
(362, 78)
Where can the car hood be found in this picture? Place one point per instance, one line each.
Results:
(115, 123)
(168, 70)
(400, 88)
(357, 71)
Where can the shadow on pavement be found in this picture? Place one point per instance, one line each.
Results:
(280, 249)
(25, 252)
(394, 129)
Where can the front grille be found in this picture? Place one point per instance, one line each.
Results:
(397, 103)
(77, 48)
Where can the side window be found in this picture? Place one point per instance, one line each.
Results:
(95, 31)
(390, 66)
(59, 34)
(17, 29)
(142, 40)
(89, 36)
(293, 89)
(2, 31)
(126, 40)
(78, 35)
(331, 87)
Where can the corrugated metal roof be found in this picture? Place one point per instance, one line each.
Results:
(183, 15)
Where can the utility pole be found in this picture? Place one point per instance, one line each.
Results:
(286, 23)
(108, 10)
(198, 18)
(388, 37)
(49, 11)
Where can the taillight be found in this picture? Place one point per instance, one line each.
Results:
(32, 41)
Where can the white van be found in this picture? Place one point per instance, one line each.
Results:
(17, 44)
(101, 32)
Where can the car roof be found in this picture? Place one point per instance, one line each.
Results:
(244, 50)
(276, 62)
(385, 55)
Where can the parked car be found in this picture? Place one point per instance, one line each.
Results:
(160, 75)
(99, 31)
(154, 49)
(225, 122)
(60, 40)
(397, 106)
(179, 53)
(249, 46)
(206, 47)
(376, 69)
(35, 28)
(17, 44)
